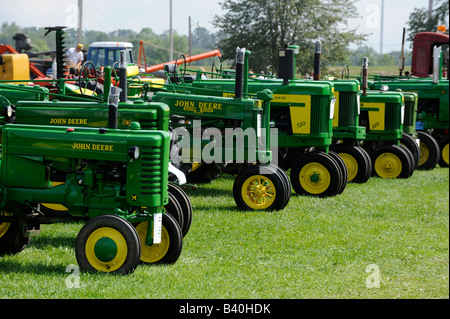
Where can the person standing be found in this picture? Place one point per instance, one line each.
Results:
(75, 56)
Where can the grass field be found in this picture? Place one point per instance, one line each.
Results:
(314, 248)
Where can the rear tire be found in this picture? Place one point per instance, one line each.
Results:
(166, 252)
(358, 162)
(410, 143)
(12, 240)
(443, 145)
(429, 151)
(186, 206)
(340, 162)
(205, 173)
(173, 208)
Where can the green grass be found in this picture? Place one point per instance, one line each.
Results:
(314, 248)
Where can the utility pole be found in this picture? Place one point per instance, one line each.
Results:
(190, 37)
(171, 34)
(381, 25)
(430, 9)
(80, 22)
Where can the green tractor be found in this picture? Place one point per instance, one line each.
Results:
(230, 130)
(117, 178)
(427, 80)
(301, 112)
(150, 116)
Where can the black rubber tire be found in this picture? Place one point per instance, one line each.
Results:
(405, 161)
(279, 184)
(340, 162)
(175, 239)
(411, 159)
(12, 240)
(361, 158)
(186, 206)
(174, 209)
(410, 143)
(115, 223)
(443, 146)
(325, 160)
(206, 173)
(287, 183)
(429, 147)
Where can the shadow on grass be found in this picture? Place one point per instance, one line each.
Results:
(41, 242)
(37, 268)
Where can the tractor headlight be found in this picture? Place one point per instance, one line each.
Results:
(8, 111)
(134, 152)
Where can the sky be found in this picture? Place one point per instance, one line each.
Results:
(110, 15)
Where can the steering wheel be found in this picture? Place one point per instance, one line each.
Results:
(270, 70)
(215, 68)
(345, 72)
(181, 55)
(113, 69)
(88, 74)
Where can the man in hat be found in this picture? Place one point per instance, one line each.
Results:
(75, 56)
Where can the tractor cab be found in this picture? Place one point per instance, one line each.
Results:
(108, 53)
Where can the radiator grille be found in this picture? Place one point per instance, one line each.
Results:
(151, 169)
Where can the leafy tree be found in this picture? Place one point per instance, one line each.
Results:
(264, 26)
(421, 21)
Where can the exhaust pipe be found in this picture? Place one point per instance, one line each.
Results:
(113, 103)
(317, 57)
(365, 75)
(448, 63)
(123, 77)
(436, 64)
(240, 59)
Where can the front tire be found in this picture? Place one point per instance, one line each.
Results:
(109, 244)
(316, 174)
(260, 187)
(166, 252)
(391, 161)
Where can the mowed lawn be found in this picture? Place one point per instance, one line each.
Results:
(382, 239)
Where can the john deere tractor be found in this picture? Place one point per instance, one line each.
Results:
(231, 129)
(301, 112)
(427, 80)
(117, 178)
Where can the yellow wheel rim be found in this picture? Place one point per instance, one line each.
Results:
(154, 253)
(352, 165)
(424, 153)
(55, 207)
(4, 226)
(315, 178)
(445, 154)
(388, 165)
(258, 192)
(106, 249)
(195, 166)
